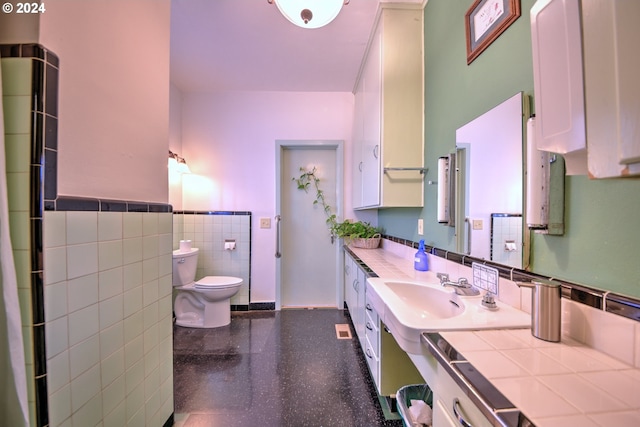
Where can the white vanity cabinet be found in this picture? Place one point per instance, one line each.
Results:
(390, 367)
(372, 342)
(354, 291)
(388, 148)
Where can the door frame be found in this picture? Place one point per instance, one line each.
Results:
(338, 146)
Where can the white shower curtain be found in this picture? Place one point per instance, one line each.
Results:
(13, 382)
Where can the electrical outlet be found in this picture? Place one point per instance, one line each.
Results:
(477, 224)
(265, 222)
(420, 226)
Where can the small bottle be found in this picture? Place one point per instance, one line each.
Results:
(420, 260)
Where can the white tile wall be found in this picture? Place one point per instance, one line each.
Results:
(506, 228)
(208, 233)
(109, 318)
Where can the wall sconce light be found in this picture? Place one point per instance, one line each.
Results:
(177, 163)
(310, 13)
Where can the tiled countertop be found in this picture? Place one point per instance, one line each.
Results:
(388, 264)
(554, 384)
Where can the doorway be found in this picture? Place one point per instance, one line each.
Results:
(307, 270)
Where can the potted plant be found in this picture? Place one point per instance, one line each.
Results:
(357, 233)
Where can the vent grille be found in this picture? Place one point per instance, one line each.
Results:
(343, 331)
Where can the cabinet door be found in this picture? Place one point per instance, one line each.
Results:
(611, 64)
(358, 137)
(349, 277)
(558, 83)
(360, 310)
(392, 106)
(402, 106)
(372, 111)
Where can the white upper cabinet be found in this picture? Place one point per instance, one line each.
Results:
(388, 140)
(611, 38)
(558, 84)
(586, 93)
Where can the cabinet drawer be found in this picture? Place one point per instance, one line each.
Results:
(373, 361)
(370, 311)
(441, 417)
(372, 330)
(448, 392)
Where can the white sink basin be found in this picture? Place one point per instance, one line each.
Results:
(409, 308)
(427, 301)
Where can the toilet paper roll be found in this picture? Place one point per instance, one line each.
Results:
(185, 245)
(510, 246)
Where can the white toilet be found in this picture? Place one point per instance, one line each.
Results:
(205, 303)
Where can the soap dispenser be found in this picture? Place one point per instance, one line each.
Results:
(420, 262)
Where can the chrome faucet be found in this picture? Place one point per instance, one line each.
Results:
(462, 286)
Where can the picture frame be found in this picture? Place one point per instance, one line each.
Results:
(485, 20)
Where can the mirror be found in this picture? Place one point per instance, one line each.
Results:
(489, 161)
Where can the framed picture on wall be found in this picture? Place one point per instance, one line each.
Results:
(485, 21)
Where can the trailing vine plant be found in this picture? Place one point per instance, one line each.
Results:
(304, 181)
(346, 229)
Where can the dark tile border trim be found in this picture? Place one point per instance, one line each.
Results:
(212, 213)
(66, 203)
(623, 306)
(262, 306)
(602, 300)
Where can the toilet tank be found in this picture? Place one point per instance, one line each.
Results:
(184, 266)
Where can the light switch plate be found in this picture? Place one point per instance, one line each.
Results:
(477, 224)
(420, 226)
(265, 222)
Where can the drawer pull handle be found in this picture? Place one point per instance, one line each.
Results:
(457, 413)
(369, 326)
(368, 307)
(369, 354)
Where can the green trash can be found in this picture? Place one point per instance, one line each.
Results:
(408, 393)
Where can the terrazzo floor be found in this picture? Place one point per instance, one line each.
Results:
(273, 368)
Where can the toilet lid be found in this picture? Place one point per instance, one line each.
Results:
(209, 282)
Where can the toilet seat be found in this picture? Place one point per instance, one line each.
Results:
(217, 282)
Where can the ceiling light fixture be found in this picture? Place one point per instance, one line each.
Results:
(310, 13)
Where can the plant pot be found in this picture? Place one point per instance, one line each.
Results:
(366, 243)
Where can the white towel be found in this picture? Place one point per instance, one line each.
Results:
(421, 412)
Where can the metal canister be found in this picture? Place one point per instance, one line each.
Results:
(545, 309)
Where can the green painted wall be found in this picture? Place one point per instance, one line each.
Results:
(602, 237)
